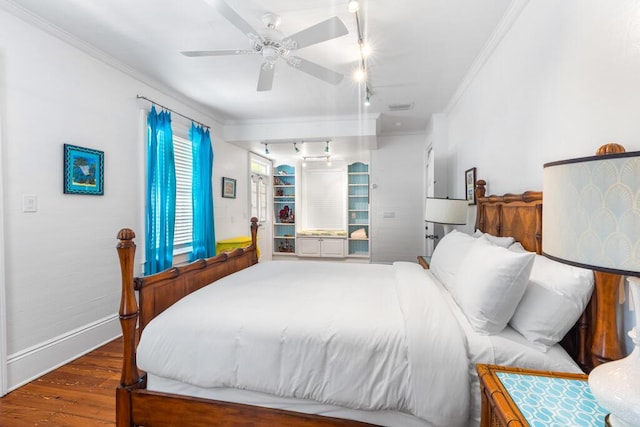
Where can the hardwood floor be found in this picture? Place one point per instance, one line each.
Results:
(79, 394)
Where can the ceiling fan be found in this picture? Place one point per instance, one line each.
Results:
(272, 45)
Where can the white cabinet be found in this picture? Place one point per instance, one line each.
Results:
(328, 247)
(332, 247)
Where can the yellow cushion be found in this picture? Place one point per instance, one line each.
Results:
(227, 245)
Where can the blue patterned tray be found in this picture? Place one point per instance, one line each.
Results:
(553, 402)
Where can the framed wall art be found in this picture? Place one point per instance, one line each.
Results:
(83, 170)
(470, 185)
(228, 188)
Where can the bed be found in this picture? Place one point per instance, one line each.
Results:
(204, 358)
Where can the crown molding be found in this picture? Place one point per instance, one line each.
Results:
(507, 21)
(37, 21)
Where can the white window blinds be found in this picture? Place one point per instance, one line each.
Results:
(324, 194)
(184, 203)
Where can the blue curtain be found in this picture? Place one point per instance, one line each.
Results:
(204, 236)
(161, 193)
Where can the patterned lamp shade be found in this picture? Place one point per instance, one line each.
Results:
(591, 218)
(591, 215)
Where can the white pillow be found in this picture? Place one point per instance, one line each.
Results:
(505, 242)
(555, 297)
(490, 283)
(447, 255)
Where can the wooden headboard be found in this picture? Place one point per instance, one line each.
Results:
(594, 338)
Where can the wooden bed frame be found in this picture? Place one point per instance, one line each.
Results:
(593, 340)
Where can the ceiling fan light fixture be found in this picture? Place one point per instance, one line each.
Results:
(271, 20)
(353, 6)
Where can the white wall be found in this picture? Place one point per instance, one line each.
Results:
(232, 216)
(397, 198)
(61, 270)
(564, 80)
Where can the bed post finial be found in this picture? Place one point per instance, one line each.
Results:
(481, 188)
(128, 307)
(610, 148)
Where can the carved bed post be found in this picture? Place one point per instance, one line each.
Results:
(254, 238)
(480, 193)
(130, 377)
(606, 343)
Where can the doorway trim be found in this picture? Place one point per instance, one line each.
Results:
(3, 299)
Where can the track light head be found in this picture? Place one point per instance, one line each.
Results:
(326, 148)
(266, 148)
(295, 147)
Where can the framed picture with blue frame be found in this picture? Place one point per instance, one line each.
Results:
(83, 170)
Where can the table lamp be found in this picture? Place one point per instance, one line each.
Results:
(591, 219)
(447, 212)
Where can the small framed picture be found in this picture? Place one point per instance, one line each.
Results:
(83, 171)
(228, 187)
(470, 185)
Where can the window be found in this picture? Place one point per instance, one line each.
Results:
(324, 196)
(184, 203)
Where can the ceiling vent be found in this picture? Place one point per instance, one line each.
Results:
(400, 107)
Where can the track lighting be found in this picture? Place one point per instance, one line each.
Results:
(360, 74)
(295, 147)
(266, 148)
(365, 49)
(326, 148)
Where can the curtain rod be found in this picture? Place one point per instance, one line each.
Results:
(173, 111)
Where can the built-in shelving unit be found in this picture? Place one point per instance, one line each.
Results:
(284, 210)
(358, 213)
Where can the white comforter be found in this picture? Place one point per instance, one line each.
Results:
(371, 337)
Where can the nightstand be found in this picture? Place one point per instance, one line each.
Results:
(424, 261)
(513, 397)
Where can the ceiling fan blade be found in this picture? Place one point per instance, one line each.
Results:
(265, 80)
(232, 16)
(315, 70)
(323, 31)
(195, 53)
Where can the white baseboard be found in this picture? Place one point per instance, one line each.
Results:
(33, 362)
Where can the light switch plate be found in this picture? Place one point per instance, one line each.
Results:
(29, 203)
